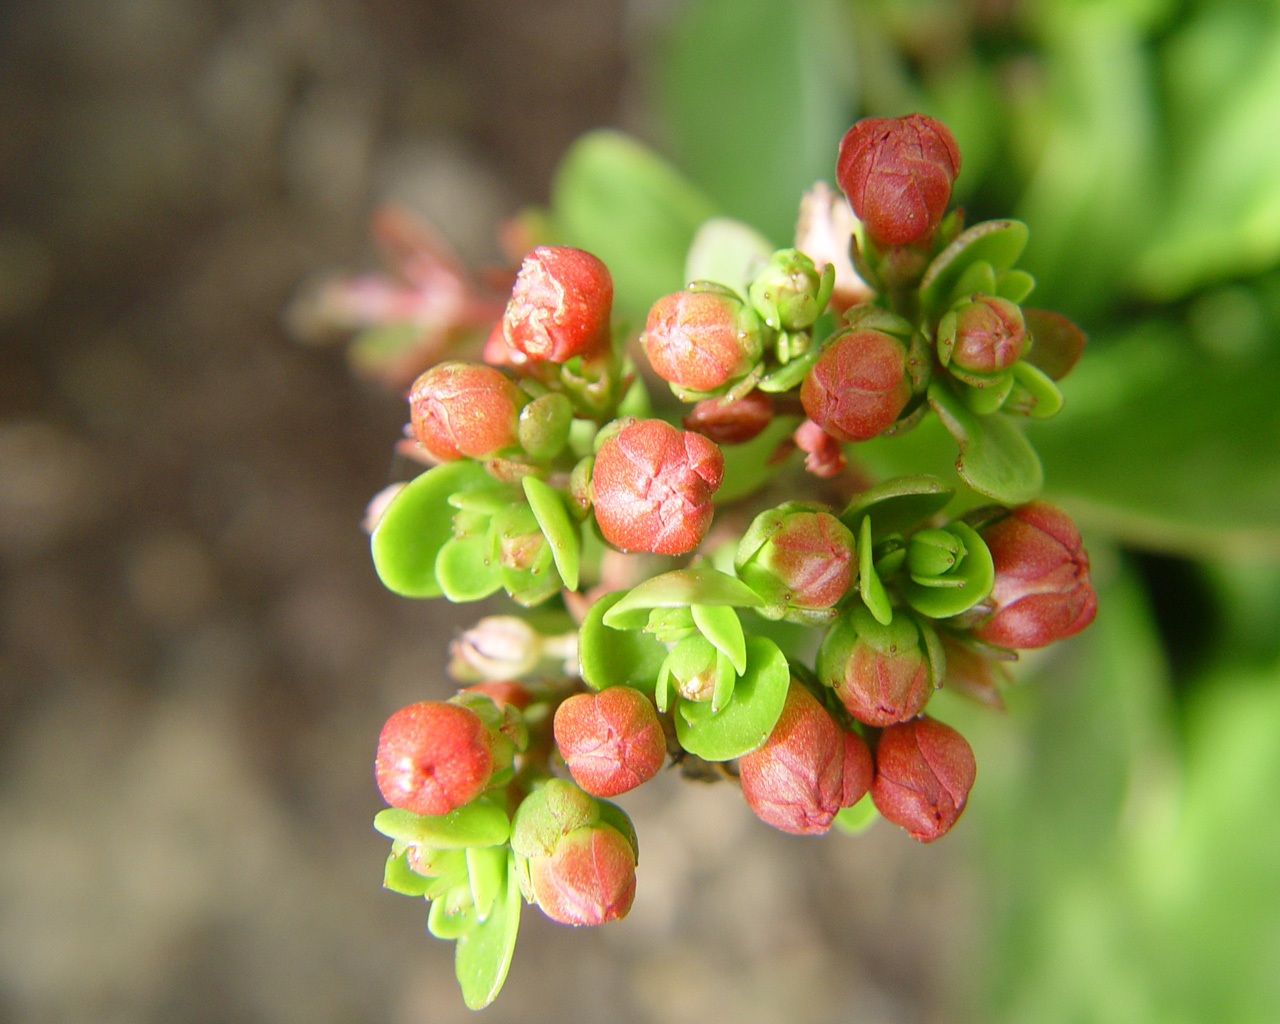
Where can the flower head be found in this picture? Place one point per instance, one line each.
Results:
(924, 771)
(464, 409)
(858, 386)
(432, 757)
(560, 305)
(702, 339)
(611, 741)
(880, 673)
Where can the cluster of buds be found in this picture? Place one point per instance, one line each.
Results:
(555, 480)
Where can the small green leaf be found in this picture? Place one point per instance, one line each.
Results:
(685, 587)
(453, 914)
(726, 679)
(1015, 285)
(727, 251)
(483, 955)
(898, 504)
(995, 458)
(792, 374)
(416, 525)
(479, 823)
(979, 276)
(1035, 393)
(614, 657)
(466, 570)
(553, 519)
(399, 877)
(720, 624)
(857, 819)
(997, 242)
(984, 397)
(869, 585)
(486, 874)
(746, 721)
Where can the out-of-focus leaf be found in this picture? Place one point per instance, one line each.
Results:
(728, 251)
(755, 95)
(628, 206)
(479, 823)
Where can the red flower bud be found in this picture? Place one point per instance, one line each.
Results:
(806, 770)
(984, 336)
(433, 757)
(502, 692)
(797, 556)
(897, 173)
(653, 485)
(590, 878)
(611, 740)
(924, 771)
(459, 409)
(858, 386)
(701, 340)
(880, 673)
(731, 421)
(560, 305)
(1042, 591)
(822, 455)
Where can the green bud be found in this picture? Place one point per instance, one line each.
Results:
(932, 554)
(790, 293)
(554, 809)
(544, 425)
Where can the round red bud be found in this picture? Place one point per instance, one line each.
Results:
(701, 340)
(464, 409)
(924, 771)
(433, 757)
(611, 741)
(797, 556)
(731, 420)
(560, 305)
(985, 336)
(652, 487)
(589, 878)
(897, 173)
(858, 386)
(1042, 591)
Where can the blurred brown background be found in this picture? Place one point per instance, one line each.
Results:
(195, 654)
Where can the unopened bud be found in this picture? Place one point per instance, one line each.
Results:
(790, 293)
(731, 420)
(560, 305)
(611, 741)
(496, 647)
(981, 338)
(1042, 591)
(924, 771)
(858, 386)
(432, 757)
(702, 340)
(880, 673)
(897, 173)
(652, 487)
(464, 409)
(589, 879)
(796, 556)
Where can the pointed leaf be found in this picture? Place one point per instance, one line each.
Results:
(685, 587)
(486, 874)
(721, 625)
(483, 955)
(553, 519)
(869, 585)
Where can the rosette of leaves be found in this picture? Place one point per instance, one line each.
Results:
(679, 637)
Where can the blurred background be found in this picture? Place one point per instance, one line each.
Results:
(195, 654)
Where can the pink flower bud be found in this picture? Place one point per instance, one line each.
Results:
(897, 173)
(806, 770)
(653, 485)
(433, 757)
(880, 673)
(984, 336)
(611, 740)
(822, 455)
(924, 771)
(702, 340)
(797, 557)
(560, 305)
(823, 231)
(590, 878)
(858, 386)
(731, 420)
(1042, 591)
(464, 409)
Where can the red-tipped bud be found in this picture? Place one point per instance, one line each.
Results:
(433, 757)
(590, 878)
(806, 770)
(702, 340)
(924, 771)
(611, 741)
(464, 409)
(858, 386)
(983, 336)
(731, 420)
(795, 556)
(880, 673)
(560, 305)
(897, 173)
(652, 486)
(1042, 591)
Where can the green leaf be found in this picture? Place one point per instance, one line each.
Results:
(1015, 285)
(453, 914)
(399, 877)
(995, 458)
(727, 251)
(486, 874)
(618, 200)
(614, 657)
(998, 243)
(682, 587)
(479, 823)
(553, 519)
(869, 585)
(1034, 393)
(416, 525)
(483, 955)
(898, 505)
(466, 570)
(720, 624)
(975, 574)
(746, 721)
